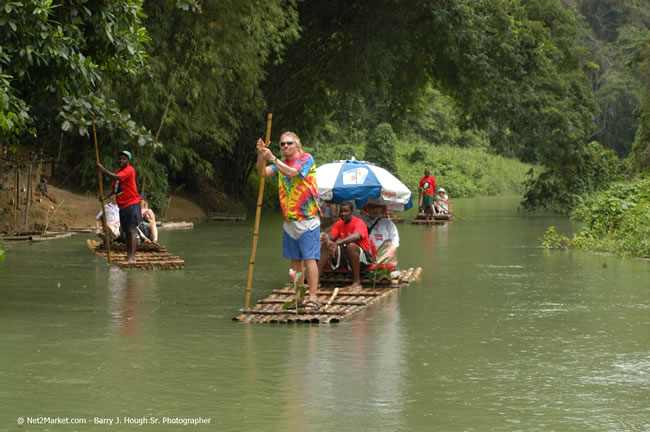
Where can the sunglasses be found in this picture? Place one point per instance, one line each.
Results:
(285, 143)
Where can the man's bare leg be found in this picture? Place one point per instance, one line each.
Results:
(324, 255)
(354, 251)
(296, 266)
(132, 244)
(312, 271)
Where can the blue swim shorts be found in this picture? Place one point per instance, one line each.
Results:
(130, 216)
(306, 247)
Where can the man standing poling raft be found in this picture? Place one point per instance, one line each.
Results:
(128, 200)
(299, 201)
(427, 192)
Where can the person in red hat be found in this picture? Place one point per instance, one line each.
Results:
(128, 200)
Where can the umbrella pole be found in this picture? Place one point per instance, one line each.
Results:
(101, 194)
(258, 214)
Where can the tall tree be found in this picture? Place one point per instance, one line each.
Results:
(58, 54)
(612, 29)
(203, 92)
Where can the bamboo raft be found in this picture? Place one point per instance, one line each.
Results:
(147, 256)
(437, 220)
(336, 303)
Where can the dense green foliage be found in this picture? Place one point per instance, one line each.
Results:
(593, 168)
(380, 147)
(612, 31)
(203, 94)
(463, 172)
(617, 220)
(56, 58)
(186, 85)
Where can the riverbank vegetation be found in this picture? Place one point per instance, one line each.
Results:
(457, 86)
(616, 220)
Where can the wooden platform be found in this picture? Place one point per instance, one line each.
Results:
(341, 306)
(437, 220)
(147, 256)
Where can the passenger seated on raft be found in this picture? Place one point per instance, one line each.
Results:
(382, 232)
(112, 222)
(330, 214)
(147, 230)
(347, 245)
(441, 202)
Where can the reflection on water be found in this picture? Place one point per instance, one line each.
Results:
(499, 334)
(126, 291)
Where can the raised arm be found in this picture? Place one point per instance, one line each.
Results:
(262, 156)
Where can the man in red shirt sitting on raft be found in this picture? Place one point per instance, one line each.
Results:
(347, 245)
(128, 200)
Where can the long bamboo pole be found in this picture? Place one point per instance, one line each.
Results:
(459, 217)
(258, 214)
(101, 194)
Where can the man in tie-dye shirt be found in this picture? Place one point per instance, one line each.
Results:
(299, 201)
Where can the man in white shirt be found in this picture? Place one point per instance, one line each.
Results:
(112, 221)
(441, 205)
(382, 232)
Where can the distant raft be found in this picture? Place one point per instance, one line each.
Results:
(438, 219)
(336, 303)
(148, 255)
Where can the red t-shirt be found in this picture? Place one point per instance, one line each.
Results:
(126, 192)
(428, 185)
(341, 230)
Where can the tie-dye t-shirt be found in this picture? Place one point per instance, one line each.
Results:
(299, 194)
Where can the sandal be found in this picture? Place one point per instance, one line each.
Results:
(310, 306)
(293, 305)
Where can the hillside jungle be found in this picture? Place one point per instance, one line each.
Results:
(547, 99)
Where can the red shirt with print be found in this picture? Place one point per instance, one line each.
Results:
(341, 230)
(126, 192)
(428, 185)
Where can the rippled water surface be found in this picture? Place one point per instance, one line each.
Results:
(499, 334)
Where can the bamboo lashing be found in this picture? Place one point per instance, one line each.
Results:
(101, 194)
(258, 213)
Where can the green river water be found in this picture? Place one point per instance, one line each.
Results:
(499, 334)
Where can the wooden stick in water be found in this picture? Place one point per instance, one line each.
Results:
(258, 214)
(459, 217)
(336, 291)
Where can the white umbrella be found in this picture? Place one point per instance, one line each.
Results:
(362, 181)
